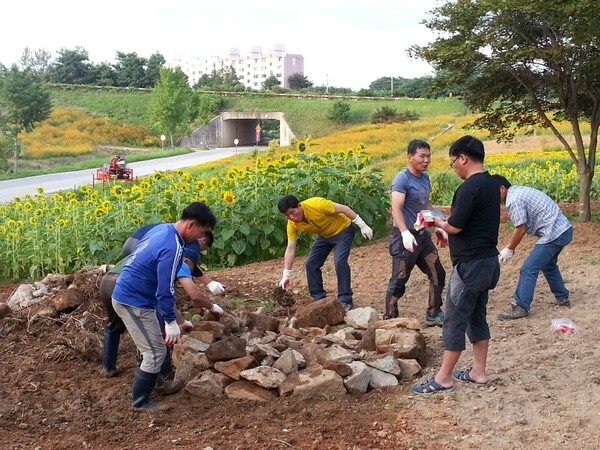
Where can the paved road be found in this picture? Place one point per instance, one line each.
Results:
(69, 180)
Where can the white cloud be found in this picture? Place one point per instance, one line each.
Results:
(347, 43)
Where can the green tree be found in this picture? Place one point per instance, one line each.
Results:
(71, 67)
(155, 62)
(522, 63)
(298, 81)
(339, 112)
(270, 83)
(224, 79)
(103, 74)
(173, 105)
(130, 70)
(24, 102)
(38, 62)
(209, 106)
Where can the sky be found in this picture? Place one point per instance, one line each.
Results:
(345, 43)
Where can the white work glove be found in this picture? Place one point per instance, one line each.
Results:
(408, 240)
(216, 310)
(442, 237)
(285, 281)
(365, 230)
(172, 332)
(420, 223)
(187, 326)
(506, 254)
(216, 287)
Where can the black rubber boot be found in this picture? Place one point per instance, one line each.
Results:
(110, 350)
(391, 306)
(143, 385)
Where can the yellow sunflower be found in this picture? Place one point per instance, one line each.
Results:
(116, 190)
(228, 197)
(200, 185)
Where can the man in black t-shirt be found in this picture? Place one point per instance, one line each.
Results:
(473, 236)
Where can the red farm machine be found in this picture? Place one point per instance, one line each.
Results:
(115, 170)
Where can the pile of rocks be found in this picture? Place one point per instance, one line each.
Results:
(257, 357)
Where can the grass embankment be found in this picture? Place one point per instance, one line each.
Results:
(87, 124)
(306, 116)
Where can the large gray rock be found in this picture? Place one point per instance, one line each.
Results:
(358, 381)
(361, 317)
(264, 376)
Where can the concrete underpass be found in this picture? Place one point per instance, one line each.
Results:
(223, 130)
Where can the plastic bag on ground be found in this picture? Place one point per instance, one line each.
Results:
(563, 326)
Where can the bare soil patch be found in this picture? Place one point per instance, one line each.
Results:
(545, 394)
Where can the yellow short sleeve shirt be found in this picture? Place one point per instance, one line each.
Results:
(322, 219)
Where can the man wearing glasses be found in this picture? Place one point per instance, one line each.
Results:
(473, 236)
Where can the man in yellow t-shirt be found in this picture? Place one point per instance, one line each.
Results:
(331, 222)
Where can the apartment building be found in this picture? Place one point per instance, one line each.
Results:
(252, 68)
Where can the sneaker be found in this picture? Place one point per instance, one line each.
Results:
(110, 373)
(514, 312)
(166, 387)
(347, 306)
(564, 302)
(432, 320)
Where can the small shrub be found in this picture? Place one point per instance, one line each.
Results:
(385, 114)
(339, 112)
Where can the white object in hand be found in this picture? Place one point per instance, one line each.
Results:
(408, 240)
(216, 287)
(285, 280)
(172, 331)
(365, 230)
(216, 309)
(506, 254)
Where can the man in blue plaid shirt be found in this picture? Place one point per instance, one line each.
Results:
(533, 212)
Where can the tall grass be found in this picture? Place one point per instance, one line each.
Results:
(119, 105)
(69, 132)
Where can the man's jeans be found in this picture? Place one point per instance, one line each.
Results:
(544, 258)
(321, 248)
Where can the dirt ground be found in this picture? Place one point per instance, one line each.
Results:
(545, 393)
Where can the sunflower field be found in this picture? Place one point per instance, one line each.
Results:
(65, 231)
(552, 172)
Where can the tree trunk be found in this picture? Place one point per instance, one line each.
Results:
(585, 184)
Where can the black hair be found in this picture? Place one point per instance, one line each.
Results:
(415, 145)
(287, 202)
(470, 146)
(200, 213)
(502, 181)
(210, 238)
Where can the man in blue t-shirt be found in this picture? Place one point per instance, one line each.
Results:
(409, 246)
(146, 285)
(115, 326)
(473, 236)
